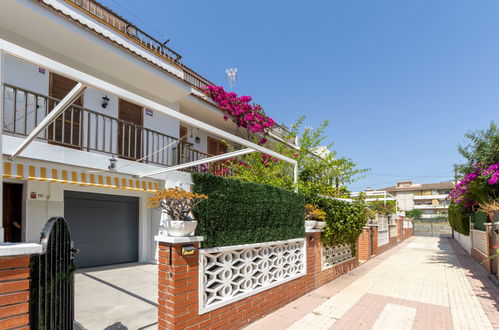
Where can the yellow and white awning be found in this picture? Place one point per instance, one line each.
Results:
(20, 170)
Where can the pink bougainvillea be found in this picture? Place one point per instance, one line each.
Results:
(246, 115)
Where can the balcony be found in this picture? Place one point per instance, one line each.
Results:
(441, 196)
(91, 131)
(133, 33)
(431, 207)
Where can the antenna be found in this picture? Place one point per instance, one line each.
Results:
(231, 74)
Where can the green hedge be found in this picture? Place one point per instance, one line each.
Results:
(479, 220)
(238, 212)
(458, 221)
(344, 220)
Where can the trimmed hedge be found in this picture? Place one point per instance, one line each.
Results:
(479, 220)
(238, 212)
(344, 220)
(459, 221)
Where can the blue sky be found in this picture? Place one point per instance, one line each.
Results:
(400, 81)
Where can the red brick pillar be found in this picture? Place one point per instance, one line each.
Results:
(14, 292)
(178, 282)
(364, 244)
(314, 262)
(400, 229)
(375, 239)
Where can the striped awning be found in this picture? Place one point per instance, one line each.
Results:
(20, 170)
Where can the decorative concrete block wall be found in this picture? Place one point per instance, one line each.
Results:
(185, 287)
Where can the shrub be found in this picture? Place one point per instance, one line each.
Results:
(479, 220)
(458, 220)
(238, 212)
(344, 221)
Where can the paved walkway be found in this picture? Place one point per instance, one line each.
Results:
(423, 283)
(117, 297)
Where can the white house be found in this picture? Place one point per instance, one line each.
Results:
(135, 101)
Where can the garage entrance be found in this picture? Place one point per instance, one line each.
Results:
(104, 228)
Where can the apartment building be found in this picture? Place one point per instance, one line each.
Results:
(130, 109)
(430, 198)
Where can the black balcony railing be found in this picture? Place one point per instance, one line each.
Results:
(85, 129)
(134, 33)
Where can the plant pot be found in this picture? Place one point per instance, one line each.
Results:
(178, 228)
(320, 224)
(310, 224)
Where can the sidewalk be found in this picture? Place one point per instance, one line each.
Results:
(423, 283)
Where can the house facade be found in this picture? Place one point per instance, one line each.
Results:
(430, 198)
(141, 110)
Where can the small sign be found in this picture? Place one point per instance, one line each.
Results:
(32, 195)
(149, 112)
(188, 250)
(41, 70)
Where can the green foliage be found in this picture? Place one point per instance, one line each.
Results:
(482, 147)
(239, 212)
(319, 172)
(415, 214)
(383, 207)
(458, 221)
(479, 219)
(344, 221)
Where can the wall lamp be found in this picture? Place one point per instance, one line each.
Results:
(112, 163)
(105, 101)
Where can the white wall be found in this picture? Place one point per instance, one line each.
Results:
(25, 75)
(405, 200)
(192, 133)
(464, 240)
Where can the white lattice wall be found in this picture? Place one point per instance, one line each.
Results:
(333, 255)
(479, 240)
(382, 221)
(382, 237)
(393, 231)
(231, 273)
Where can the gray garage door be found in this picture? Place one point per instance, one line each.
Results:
(103, 227)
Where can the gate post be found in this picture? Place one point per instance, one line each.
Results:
(15, 283)
(178, 280)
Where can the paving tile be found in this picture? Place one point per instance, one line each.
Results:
(423, 283)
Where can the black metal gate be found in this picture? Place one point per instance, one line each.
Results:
(52, 279)
(371, 240)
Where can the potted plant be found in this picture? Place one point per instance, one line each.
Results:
(315, 218)
(176, 205)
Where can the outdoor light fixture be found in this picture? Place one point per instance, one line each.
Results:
(105, 101)
(112, 163)
(197, 139)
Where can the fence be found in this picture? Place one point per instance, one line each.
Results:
(229, 274)
(334, 255)
(480, 241)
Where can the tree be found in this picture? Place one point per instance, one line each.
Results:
(320, 170)
(415, 214)
(482, 148)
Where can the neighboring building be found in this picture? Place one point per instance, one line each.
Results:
(431, 198)
(133, 81)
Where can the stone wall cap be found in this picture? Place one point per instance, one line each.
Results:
(15, 249)
(178, 240)
(314, 230)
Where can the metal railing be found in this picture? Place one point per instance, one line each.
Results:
(85, 129)
(116, 22)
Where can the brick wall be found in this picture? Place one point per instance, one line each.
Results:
(364, 245)
(408, 232)
(14, 292)
(178, 290)
(375, 240)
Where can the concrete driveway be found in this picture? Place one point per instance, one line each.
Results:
(117, 297)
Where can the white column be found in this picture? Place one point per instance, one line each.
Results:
(1, 145)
